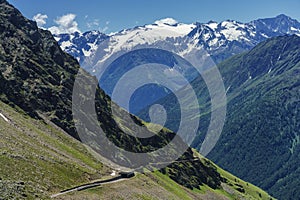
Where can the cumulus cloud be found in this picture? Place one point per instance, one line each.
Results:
(65, 24)
(40, 19)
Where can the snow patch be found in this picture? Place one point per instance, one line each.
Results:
(294, 29)
(213, 42)
(213, 25)
(93, 48)
(231, 31)
(65, 44)
(56, 38)
(86, 53)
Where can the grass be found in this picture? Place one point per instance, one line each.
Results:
(34, 152)
(251, 191)
(171, 186)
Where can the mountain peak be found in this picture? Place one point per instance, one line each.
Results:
(276, 20)
(282, 16)
(166, 21)
(212, 22)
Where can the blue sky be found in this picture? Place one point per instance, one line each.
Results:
(115, 15)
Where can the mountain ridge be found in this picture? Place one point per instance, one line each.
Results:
(207, 34)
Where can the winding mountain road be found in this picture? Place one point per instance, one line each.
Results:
(90, 185)
(109, 181)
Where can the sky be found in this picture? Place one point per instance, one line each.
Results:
(115, 15)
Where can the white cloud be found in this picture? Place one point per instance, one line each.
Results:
(104, 29)
(65, 24)
(168, 21)
(40, 19)
(94, 23)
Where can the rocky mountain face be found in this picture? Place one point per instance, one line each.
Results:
(81, 45)
(36, 75)
(36, 80)
(260, 139)
(225, 39)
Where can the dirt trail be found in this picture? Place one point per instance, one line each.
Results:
(3, 117)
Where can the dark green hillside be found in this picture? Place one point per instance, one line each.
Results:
(262, 130)
(260, 139)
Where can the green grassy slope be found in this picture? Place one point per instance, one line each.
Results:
(39, 159)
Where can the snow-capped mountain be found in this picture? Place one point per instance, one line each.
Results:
(81, 45)
(230, 37)
(221, 40)
(93, 46)
(209, 43)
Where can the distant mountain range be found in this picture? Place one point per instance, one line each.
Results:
(218, 41)
(221, 40)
